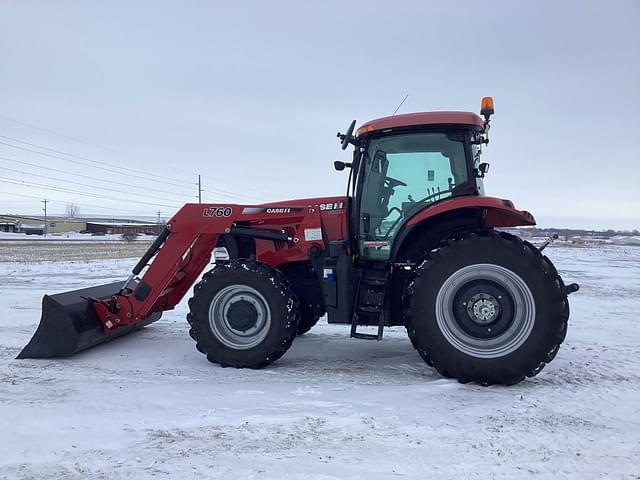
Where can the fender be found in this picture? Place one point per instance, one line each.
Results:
(496, 212)
(455, 213)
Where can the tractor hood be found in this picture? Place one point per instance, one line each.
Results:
(332, 209)
(324, 203)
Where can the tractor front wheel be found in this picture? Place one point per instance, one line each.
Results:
(309, 316)
(243, 314)
(487, 308)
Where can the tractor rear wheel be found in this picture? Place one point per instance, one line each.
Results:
(487, 308)
(243, 314)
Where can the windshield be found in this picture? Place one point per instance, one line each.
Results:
(404, 174)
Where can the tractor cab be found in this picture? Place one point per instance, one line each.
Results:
(406, 163)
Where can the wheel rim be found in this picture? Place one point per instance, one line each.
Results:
(485, 310)
(239, 317)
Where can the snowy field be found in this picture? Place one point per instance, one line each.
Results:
(57, 251)
(69, 237)
(151, 406)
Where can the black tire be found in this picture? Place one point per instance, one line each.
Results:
(309, 316)
(477, 338)
(265, 307)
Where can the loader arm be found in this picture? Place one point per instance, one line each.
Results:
(184, 250)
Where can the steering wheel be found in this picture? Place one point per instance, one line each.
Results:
(390, 182)
(433, 195)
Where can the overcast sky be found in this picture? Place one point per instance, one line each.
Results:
(251, 94)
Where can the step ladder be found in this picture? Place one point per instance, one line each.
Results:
(369, 303)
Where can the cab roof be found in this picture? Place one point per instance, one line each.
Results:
(423, 118)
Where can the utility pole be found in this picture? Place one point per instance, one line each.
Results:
(45, 216)
(159, 213)
(199, 189)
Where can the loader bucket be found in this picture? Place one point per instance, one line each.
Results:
(69, 323)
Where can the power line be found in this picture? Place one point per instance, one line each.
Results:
(146, 189)
(89, 159)
(76, 183)
(247, 197)
(111, 165)
(230, 195)
(102, 147)
(88, 194)
(89, 205)
(226, 193)
(223, 193)
(127, 171)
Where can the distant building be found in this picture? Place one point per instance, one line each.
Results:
(111, 227)
(30, 229)
(7, 227)
(56, 224)
(34, 225)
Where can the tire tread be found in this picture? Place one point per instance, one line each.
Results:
(279, 281)
(552, 280)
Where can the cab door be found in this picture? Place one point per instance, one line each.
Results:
(401, 175)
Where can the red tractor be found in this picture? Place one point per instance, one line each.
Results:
(413, 243)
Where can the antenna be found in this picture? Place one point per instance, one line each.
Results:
(403, 100)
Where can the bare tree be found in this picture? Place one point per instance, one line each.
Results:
(72, 210)
(128, 236)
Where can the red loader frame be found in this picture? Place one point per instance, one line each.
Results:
(183, 250)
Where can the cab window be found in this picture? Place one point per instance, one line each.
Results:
(404, 174)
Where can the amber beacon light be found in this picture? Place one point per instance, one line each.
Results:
(486, 107)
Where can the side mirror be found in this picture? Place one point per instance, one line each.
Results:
(482, 170)
(347, 138)
(339, 166)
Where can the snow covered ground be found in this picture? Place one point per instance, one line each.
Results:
(55, 251)
(69, 236)
(149, 405)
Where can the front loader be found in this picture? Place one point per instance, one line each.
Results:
(414, 243)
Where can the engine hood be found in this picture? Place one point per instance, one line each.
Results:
(321, 202)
